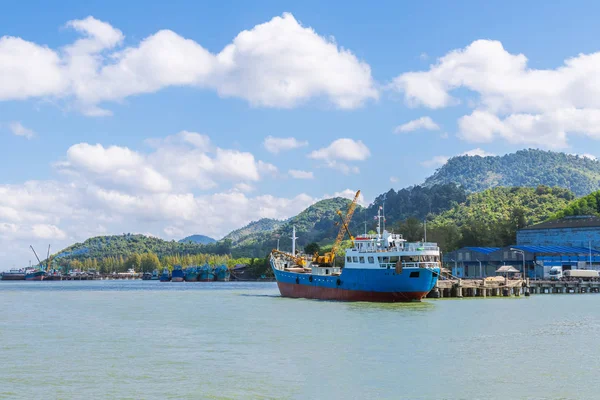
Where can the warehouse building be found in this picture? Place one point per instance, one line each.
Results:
(577, 231)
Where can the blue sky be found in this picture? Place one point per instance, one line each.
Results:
(187, 104)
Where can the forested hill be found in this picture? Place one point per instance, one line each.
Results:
(490, 218)
(528, 168)
(200, 239)
(588, 205)
(255, 227)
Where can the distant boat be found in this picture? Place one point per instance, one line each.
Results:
(191, 274)
(165, 276)
(154, 276)
(34, 274)
(13, 275)
(206, 273)
(177, 275)
(146, 276)
(222, 273)
(53, 275)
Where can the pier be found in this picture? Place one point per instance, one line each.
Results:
(482, 288)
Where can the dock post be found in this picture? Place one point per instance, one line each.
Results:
(459, 292)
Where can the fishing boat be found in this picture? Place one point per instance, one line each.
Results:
(146, 276)
(13, 275)
(191, 274)
(154, 276)
(381, 267)
(165, 276)
(207, 273)
(53, 275)
(177, 275)
(222, 273)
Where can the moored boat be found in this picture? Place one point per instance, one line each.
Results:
(177, 275)
(34, 274)
(222, 273)
(154, 276)
(165, 276)
(13, 275)
(380, 267)
(146, 276)
(207, 273)
(53, 275)
(191, 274)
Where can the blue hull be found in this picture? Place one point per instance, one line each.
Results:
(381, 285)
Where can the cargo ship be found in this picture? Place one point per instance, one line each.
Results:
(222, 273)
(381, 267)
(34, 274)
(207, 274)
(177, 275)
(13, 275)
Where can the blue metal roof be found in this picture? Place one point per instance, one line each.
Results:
(556, 249)
(484, 250)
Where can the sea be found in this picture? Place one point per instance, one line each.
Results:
(153, 340)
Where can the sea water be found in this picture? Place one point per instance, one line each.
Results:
(153, 340)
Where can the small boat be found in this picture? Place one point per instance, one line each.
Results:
(222, 273)
(177, 275)
(13, 275)
(165, 276)
(191, 274)
(34, 274)
(53, 275)
(207, 273)
(146, 276)
(154, 276)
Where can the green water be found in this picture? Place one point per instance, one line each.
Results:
(152, 340)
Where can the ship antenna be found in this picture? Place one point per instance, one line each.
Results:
(383, 210)
(294, 240)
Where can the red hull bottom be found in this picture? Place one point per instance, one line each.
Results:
(321, 293)
(35, 278)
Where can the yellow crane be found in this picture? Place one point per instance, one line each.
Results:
(329, 258)
(297, 260)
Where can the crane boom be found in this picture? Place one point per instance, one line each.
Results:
(329, 258)
(48, 259)
(36, 256)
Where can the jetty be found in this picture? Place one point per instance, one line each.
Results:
(483, 288)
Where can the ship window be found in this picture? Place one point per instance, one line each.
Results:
(394, 259)
(384, 260)
(362, 260)
(326, 272)
(348, 259)
(414, 274)
(355, 259)
(371, 260)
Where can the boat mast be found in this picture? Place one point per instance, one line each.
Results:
(294, 240)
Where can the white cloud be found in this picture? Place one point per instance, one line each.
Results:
(18, 129)
(436, 161)
(477, 152)
(425, 123)
(516, 103)
(342, 149)
(394, 179)
(585, 155)
(349, 194)
(42, 231)
(276, 145)
(299, 174)
(278, 64)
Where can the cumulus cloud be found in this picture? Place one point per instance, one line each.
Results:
(276, 145)
(19, 130)
(516, 103)
(299, 174)
(279, 63)
(436, 161)
(342, 150)
(477, 152)
(423, 123)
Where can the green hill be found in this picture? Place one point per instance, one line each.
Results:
(199, 239)
(492, 217)
(528, 168)
(242, 235)
(588, 205)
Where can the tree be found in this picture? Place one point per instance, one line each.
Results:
(149, 262)
(312, 248)
(134, 261)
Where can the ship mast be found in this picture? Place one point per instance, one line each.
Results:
(294, 240)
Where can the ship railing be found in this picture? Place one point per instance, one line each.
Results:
(430, 265)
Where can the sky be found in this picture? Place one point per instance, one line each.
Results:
(178, 118)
